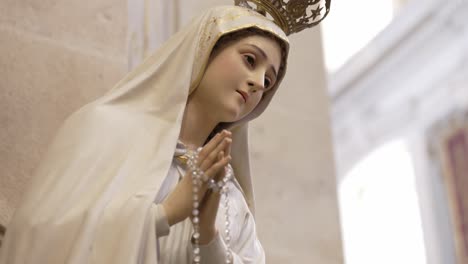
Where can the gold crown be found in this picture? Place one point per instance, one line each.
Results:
(291, 16)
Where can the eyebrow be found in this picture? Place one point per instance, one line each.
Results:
(265, 56)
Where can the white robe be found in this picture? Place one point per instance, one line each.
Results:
(174, 243)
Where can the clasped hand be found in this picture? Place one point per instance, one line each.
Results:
(212, 159)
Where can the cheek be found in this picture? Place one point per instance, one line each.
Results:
(227, 69)
(255, 100)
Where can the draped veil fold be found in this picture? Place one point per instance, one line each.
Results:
(91, 198)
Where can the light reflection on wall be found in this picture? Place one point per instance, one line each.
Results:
(380, 214)
(350, 26)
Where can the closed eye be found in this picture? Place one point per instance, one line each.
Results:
(267, 83)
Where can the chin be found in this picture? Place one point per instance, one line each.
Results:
(230, 118)
(231, 114)
(233, 118)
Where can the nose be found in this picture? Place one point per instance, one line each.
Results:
(256, 83)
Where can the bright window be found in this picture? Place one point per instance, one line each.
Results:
(350, 26)
(379, 208)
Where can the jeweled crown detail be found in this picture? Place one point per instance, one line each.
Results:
(290, 15)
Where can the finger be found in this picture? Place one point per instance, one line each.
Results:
(216, 173)
(227, 149)
(211, 145)
(216, 167)
(221, 172)
(212, 157)
(207, 177)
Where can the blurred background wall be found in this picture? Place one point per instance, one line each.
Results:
(54, 57)
(398, 81)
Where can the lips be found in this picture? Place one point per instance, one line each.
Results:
(244, 95)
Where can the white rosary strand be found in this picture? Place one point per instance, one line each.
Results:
(225, 190)
(196, 184)
(197, 176)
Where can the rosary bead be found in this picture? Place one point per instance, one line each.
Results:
(196, 251)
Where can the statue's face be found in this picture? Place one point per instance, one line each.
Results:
(238, 76)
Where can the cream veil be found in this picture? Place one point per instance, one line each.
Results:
(91, 200)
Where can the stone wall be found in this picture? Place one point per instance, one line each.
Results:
(54, 57)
